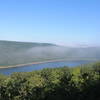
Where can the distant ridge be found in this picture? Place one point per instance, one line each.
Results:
(20, 42)
(14, 53)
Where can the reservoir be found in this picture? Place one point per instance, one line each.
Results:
(29, 68)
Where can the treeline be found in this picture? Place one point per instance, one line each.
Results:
(80, 83)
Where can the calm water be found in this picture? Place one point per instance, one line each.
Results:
(30, 68)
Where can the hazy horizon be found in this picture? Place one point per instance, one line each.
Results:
(66, 45)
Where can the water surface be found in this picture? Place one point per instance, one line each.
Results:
(29, 68)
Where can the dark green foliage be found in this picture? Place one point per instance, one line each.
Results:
(80, 83)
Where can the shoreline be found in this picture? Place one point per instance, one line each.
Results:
(33, 63)
(40, 62)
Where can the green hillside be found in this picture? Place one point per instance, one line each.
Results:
(15, 53)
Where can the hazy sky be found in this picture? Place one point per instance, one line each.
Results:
(66, 22)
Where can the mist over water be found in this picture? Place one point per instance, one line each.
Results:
(22, 53)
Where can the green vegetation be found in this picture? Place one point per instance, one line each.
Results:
(79, 83)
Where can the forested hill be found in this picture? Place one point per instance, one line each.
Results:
(14, 53)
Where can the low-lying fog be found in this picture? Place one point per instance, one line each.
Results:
(20, 55)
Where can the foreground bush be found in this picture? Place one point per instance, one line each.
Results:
(53, 84)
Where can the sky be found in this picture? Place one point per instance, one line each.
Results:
(65, 22)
